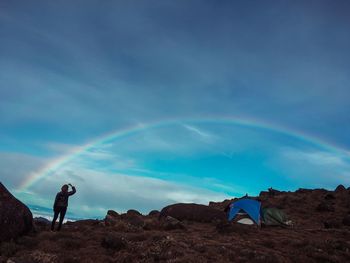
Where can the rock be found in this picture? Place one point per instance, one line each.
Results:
(212, 204)
(15, 218)
(340, 188)
(133, 218)
(113, 241)
(135, 221)
(303, 191)
(110, 220)
(193, 212)
(264, 194)
(113, 213)
(273, 192)
(346, 220)
(171, 223)
(154, 213)
(41, 221)
(152, 224)
(325, 207)
(133, 212)
(221, 205)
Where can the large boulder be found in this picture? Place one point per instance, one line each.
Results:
(111, 218)
(15, 218)
(340, 188)
(113, 213)
(133, 212)
(154, 213)
(193, 212)
(171, 223)
(134, 218)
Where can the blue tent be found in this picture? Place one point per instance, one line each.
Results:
(251, 207)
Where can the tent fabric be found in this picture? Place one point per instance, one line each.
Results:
(273, 217)
(246, 221)
(251, 207)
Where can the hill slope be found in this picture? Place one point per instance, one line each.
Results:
(321, 233)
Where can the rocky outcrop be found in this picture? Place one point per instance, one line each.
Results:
(193, 212)
(41, 221)
(170, 223)
(132, 217)
(340, 188)
(111, 218)
(113, 213)
(133, 212)
(15, 218)
(154, 213)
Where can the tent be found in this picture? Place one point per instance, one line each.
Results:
(256, 214)
(249, 206)
(274, 217)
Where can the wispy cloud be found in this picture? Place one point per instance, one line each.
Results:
(198, 131)
(60, 148)
(318, 158)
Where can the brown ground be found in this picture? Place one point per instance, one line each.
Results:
(321, 233)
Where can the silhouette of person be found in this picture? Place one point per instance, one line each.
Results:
(61, 204)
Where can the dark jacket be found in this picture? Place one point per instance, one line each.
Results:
(62, 198)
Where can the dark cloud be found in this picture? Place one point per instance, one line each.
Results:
(102, 66)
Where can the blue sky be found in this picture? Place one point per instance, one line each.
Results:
(72, 72)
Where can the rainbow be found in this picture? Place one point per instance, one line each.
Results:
(55, 164)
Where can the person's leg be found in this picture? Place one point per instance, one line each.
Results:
(62, 214)
(56, 212)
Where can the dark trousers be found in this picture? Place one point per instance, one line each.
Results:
(58, 211)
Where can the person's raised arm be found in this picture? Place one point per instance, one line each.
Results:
(73, 190)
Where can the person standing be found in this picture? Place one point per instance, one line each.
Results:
(61, 204)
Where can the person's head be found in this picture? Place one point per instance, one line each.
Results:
(64, 188)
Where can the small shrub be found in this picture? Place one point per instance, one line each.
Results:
(138, 237)
(269, 244)
(71, 244)
(112, 241)
(28, 242)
